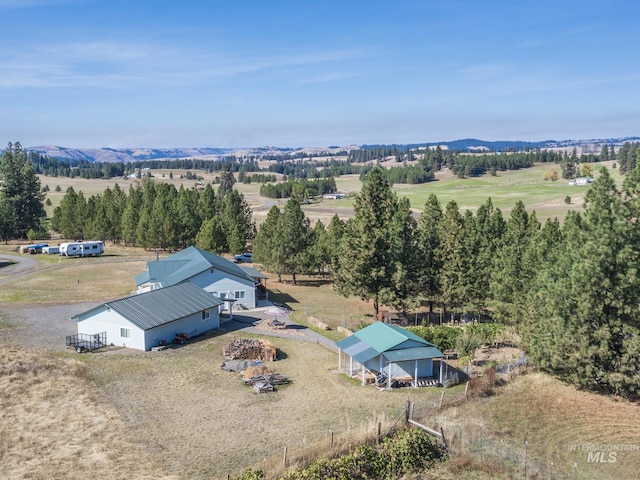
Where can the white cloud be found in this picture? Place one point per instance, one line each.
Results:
(109, 62)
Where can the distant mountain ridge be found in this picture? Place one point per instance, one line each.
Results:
(110, 155)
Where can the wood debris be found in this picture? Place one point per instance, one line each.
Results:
(249, 349)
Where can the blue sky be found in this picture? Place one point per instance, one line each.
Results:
(196, 73)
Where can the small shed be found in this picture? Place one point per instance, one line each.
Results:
(388, 354)
(150, 319)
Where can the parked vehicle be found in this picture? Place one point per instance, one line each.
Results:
(51, 250)
(32, 249)
(243, 257)
(81, 249)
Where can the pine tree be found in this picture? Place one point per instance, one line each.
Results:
(266, 245)
(453, 257)
(405, 288)
(511, 277)
(235, 216)
(429, 261)
(295, 235)
(365, 266)
(212, 236)
(583, 323)
(21, 194)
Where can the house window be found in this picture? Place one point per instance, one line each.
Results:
(238, 294)
(125, 332)
(205, 314)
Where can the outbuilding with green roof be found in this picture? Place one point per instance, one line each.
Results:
(390, 355)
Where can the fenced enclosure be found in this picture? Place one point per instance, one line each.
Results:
(83, 342)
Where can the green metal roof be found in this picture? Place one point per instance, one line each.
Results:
(357, 349)
(383, 336)
(187, 263)
(416, 353)
(395, 343)
(165, 305)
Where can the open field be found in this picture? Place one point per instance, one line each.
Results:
(505, 189)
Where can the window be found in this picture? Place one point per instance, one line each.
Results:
(238, 294)
(125, 333)
(205, 314)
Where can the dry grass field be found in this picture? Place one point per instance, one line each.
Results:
(560, 424)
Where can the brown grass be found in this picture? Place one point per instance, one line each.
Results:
(52, 424)
(554, 418)
(203, 421)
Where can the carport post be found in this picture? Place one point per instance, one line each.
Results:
(441, 362)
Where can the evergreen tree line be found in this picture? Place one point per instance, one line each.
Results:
(157, 215)
(84, 168)
(411, 174)
(570, 291)
(307, 188)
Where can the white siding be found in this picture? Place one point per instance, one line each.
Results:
(193, 325)
(222, 283)
(102, 319)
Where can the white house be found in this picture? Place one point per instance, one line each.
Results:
(218, 276)
(146, 320)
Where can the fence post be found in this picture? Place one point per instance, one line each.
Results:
(331, 443)
(444, 440)
(441, 399)
(526, 444)
(406, 411)
(284, 458)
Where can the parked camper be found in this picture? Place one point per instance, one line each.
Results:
(81, 249)
(51, 250)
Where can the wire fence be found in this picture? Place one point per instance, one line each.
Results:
(475, 439)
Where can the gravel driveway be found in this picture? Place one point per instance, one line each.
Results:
(46, 326)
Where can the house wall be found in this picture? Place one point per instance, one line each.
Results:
(408, 368)
(103, 319)
(400, 369)
(193, 325)
(221, 283)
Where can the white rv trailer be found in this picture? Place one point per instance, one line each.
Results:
(81, 249)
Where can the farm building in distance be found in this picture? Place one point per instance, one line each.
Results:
(389, 355)
(154, 318)
(333, 196)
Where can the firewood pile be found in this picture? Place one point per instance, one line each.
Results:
(249, 349)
